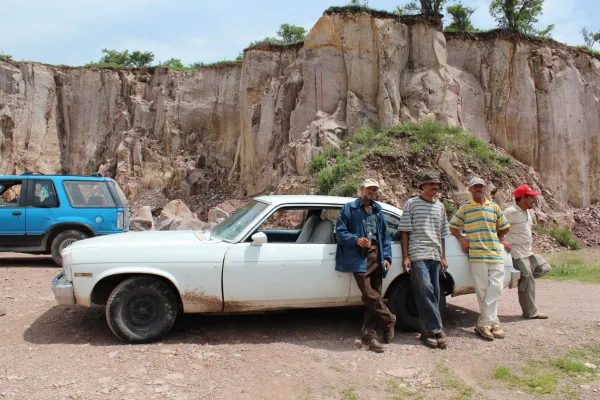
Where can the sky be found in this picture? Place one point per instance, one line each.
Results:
(73, 32)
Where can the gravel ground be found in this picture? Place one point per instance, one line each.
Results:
(68, 352)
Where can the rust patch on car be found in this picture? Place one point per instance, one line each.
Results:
(463, 290)
(198, 302)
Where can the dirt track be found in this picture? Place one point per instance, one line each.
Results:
(68, 352)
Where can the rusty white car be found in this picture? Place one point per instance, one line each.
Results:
(275, 253)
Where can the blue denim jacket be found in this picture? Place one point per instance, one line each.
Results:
(351, 226)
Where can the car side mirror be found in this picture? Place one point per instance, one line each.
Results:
(258, 239)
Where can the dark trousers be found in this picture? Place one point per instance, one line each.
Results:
(425, 280)
(376, 312)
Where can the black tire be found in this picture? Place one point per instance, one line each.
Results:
(62, 240)
(402, 304)
(141, 310)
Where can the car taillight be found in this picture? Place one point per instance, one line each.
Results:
(120, 219)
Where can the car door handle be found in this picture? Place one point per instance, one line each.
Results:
(16, 212)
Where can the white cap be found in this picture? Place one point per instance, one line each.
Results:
(476, 181)
(369, 183)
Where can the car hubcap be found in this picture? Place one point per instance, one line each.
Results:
(142, 312)
(65, 244)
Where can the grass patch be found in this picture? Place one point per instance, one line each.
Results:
(562, 236)
(450, 380)
(105, 65)
(5, 57)
(450, 209)
(574, 270)
(348, 394)
(398, 392)
(224, 63)
(559, 375)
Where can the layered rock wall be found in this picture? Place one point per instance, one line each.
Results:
(264, 118)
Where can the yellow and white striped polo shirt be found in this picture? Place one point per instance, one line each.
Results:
(481, 223)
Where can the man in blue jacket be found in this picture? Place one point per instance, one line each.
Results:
(364, 249)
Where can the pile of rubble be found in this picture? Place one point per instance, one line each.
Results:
(586, 226)
(177, 216)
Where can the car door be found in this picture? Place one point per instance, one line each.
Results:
(280, 275)
(12, 214)
(392, 221)
(42, 208)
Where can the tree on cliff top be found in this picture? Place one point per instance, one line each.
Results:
(291, 33)
(519, 16)
(590, 38)
(136, 59)
(172, 63)
(461, 18)
(421, 7)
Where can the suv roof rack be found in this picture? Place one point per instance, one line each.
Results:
(32, 173)
(96, 174)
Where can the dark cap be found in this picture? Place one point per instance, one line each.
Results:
(429, 177)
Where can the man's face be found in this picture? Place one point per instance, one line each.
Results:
(369, 193)
(530, 201)
(477, 191)
(430, 189)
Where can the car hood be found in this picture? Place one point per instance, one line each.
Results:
(147, 239)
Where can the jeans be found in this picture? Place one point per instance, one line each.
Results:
(425, 280)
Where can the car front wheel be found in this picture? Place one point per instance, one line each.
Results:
(141, 309)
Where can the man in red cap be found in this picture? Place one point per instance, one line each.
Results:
(520, 236)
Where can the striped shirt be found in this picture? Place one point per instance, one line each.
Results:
(427, 223)
(482, 223)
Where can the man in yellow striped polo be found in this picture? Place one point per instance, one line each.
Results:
(485, 227)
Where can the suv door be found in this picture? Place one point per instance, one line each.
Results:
(42, 208)
(12, 213)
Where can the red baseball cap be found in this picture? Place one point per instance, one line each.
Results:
(525, 190)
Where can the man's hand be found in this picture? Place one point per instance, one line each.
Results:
(464, 244)
(406, 264)
(386, 264)
(507, 246)
(363, 242)
(443, 265)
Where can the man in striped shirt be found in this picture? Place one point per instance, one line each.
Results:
(485, 227)
(424, 226)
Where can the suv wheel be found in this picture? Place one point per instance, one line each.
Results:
(141, 309)
(62, 240)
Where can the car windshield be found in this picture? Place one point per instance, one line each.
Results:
(239, 220)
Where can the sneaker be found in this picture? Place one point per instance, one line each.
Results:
(442, 339)
(388, 334)
(429, 340)
(498, 332)
(540, 316)
(374, 345)
(485, 332)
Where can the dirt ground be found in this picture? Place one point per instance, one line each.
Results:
(67, 352)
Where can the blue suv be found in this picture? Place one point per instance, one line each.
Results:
(43, 214)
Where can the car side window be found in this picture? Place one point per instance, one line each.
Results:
(392, 222)
(301, 225)
(10, 194)
(44, 194)
(88, 194)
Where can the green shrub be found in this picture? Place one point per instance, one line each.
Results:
(562, 236)
(364, 137)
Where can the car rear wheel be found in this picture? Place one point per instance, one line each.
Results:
(62, 241)
(141, 309)
(403, 305)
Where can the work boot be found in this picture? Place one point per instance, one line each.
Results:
(374, 345)
(485, 332)
(388, 334)
(498, 332)
(429, 340)
(540, 316)
(442, 339)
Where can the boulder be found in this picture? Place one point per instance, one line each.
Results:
(215, 213)
(181, 224)
(142, 220)
(175, 209)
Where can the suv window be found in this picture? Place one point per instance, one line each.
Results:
(44, 194)
(88, 194)
(392, 223)
(10, 194)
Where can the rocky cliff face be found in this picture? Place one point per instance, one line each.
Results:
(257, 121)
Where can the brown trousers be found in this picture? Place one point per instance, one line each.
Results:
(370, 283)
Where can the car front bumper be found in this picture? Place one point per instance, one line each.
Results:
(63, 290)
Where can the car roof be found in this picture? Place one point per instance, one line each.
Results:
(277, 200)
(56, 177)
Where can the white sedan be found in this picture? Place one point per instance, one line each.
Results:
(276, 252)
